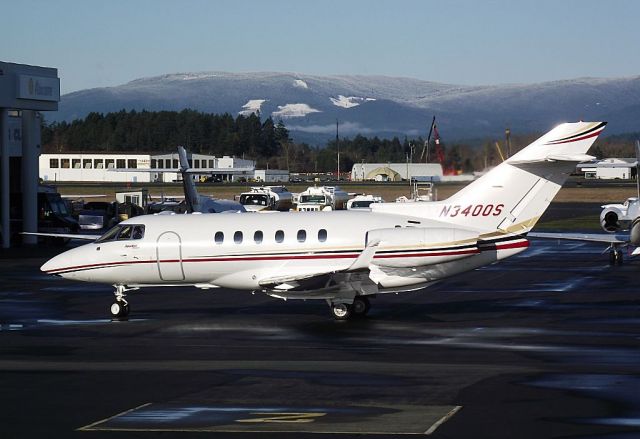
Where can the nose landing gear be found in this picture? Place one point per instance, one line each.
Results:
(120, 308)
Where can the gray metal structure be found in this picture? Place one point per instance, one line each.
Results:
(24, 91)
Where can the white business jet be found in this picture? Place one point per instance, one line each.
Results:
(342, 257)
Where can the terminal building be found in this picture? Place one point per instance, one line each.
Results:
(139, 168)
(25, 91)
(396, 171)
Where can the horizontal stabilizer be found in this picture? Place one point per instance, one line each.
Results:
(587, 237)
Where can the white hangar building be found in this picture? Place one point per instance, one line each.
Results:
(610, 169)
(396, 171)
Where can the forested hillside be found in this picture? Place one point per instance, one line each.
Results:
(269, 143)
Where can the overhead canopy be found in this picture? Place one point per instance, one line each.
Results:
(383, 173)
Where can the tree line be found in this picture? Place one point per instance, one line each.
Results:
(269, 143)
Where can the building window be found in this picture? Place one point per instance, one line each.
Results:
(120, 163)
(279, 236)
(257, 237)
(98, 164)
(322, 235)
(109, 163)
(237, 237)
(132, 163)
(302, 235)
(219, 237)
(54, 163)
(75, 163)
(86, 163)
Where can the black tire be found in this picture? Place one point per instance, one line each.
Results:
(361, 306)
(116, 309)
(341, 311)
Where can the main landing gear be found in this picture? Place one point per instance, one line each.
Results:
(120, 308)
(615, 257)
(344, 311)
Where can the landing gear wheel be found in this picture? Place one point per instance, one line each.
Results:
(341, 311)
(360, 306)
(119, 309)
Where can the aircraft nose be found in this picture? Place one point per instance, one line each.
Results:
(58, 264)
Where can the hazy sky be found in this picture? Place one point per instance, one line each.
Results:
(103, 43)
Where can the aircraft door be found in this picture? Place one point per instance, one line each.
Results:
(169, 256)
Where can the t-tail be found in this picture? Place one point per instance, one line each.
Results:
(512, 197)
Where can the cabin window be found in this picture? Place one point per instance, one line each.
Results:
(53, 163)
(109, 163)
(302, 235)
(75, 163)
(257, 237)
(211, 164)
(121, 163)
(279, 236)
(322, 235)
(98, 164)
(64, 163)
(237, 237)
(132, 163)
(175, 163)
(219, 237)
(87, 163)
(154, 163)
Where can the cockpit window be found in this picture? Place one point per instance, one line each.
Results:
(123, 233)
(138, 232)
(110, 235)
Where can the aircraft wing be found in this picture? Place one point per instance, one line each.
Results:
(606, 238)
(65, 235)
(319, 277)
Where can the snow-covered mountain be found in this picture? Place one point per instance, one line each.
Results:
(373, 105)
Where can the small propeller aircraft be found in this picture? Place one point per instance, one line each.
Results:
(342, 257)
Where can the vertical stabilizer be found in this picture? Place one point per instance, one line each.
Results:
(512, 197)
(191, 197)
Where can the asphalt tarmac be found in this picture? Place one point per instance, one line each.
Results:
(545, 344)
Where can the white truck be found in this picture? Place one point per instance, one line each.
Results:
(317, 198)
(363, 202)
(267, 198)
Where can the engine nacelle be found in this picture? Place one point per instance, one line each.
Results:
(617, 217)
(419, 246)
(634, 234)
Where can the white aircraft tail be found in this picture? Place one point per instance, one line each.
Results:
(191, 197)
(512, 197)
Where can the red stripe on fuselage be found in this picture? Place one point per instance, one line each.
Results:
(284, 257)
